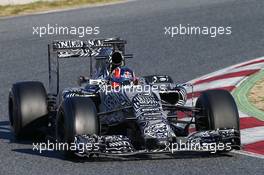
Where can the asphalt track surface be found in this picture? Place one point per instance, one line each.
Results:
(23, 56)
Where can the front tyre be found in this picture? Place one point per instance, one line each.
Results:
(76, 116)
(218, 111)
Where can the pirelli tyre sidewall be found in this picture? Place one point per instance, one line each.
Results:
(27, 103)
(76, 116)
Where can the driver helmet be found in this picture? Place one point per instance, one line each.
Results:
(122, 76)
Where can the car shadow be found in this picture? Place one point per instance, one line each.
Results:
(103, 158)
(5, 131)
(6, 134)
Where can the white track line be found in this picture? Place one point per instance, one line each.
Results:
(228, 69)
(252, 135)
(216, 84)
(242, 114)
(246, 153)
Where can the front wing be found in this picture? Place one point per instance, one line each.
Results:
(203, 141)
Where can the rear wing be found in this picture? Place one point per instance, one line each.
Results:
(59, 50)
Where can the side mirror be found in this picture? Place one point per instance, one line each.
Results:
(82, 79)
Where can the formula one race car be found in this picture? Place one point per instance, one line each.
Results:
(116, 113)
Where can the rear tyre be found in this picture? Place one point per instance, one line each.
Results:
(27, 104)
(76, 116)
(218, 111)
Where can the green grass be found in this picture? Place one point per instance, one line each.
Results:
(241, 96)
(11, 10)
